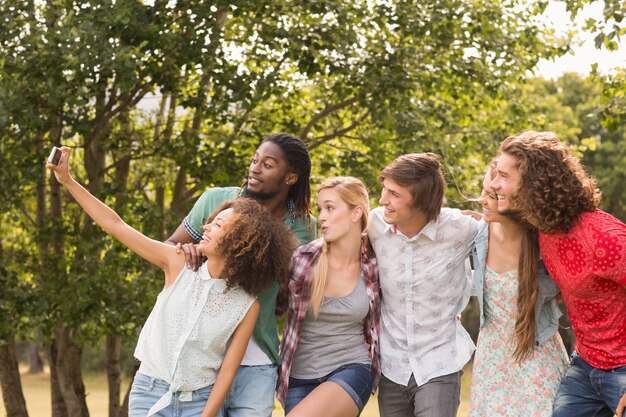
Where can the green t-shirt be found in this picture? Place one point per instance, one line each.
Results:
(266, 330)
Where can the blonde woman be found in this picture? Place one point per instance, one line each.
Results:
(329, 348)
(520, 358)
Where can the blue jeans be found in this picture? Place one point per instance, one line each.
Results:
(586, 391)
(146, 391)
(355, 378)
(252, 392)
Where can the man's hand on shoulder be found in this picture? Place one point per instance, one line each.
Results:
(185, 244)
(193, 258)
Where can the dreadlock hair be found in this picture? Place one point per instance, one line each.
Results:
(257, 248)
(297, 156)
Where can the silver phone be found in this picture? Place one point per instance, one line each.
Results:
(55, 156)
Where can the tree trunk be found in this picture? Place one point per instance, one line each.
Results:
(12, 393)
(123, 411)
(10, 381)
(56, 397)
(40, 198)
(35, 361)
(114, 372)
(68, 363)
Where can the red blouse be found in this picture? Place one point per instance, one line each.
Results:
(589, 266)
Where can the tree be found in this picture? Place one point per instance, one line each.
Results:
(360, 81)
(572, 106)
(608, 32)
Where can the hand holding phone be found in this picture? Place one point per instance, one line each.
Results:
(55, 156)
(60, 164)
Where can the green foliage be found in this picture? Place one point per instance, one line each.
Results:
(161, 100)
(614, 100)
(360, 81)
(574, 108)
(608, 32)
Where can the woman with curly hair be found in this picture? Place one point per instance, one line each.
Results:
(195, 337)
(584, 250)
(330, 359)
(520, 358)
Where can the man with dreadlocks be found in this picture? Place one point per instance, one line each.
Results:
(278, 178)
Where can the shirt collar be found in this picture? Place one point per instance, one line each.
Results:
(205, 275)
(429, 230)
(315, 246)
(312, 247)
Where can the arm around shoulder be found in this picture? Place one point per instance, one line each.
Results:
(180, 235)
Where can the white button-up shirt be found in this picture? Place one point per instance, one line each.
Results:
(425, 287)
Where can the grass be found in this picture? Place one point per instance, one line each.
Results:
(37, 393)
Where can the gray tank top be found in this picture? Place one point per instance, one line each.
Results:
(335, 338)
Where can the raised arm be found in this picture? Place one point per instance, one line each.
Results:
(158, 253)
(231, 362)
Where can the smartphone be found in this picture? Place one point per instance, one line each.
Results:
(55, 156)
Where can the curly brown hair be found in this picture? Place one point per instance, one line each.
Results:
(257, 248)
(554, 189)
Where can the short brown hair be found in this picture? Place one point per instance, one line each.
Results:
(257, 248)
(422, 174)
(554, 189)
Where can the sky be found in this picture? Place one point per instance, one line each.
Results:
(585, 54)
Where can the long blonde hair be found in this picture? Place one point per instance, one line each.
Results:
(352, 191)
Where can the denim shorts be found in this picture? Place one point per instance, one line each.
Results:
(146, 391)
(355, 378)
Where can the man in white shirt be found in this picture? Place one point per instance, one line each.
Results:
(421, 250)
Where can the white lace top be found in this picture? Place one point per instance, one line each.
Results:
(184, 340)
